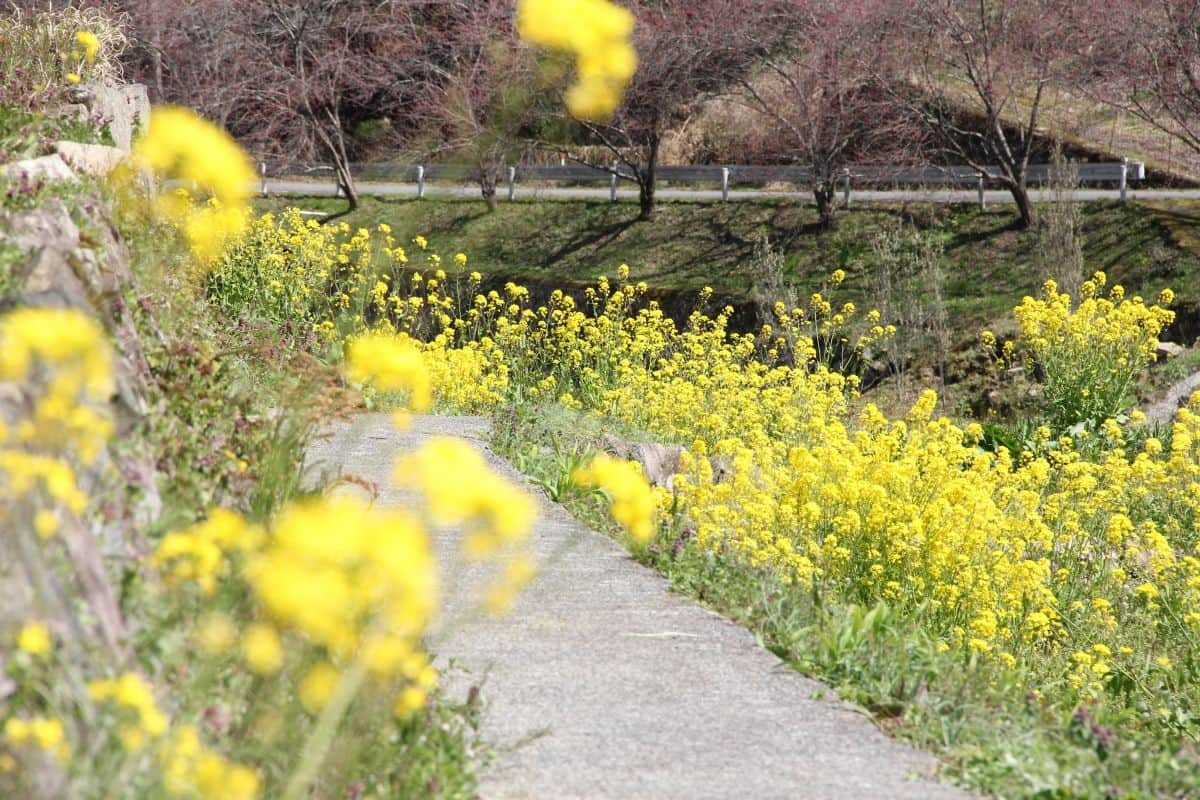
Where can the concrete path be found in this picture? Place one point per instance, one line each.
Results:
(991, 197)
(604, 684)
(1163, 411)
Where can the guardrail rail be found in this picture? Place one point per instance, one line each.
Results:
(1120, 173)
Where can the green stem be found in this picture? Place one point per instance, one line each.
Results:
(316, 747)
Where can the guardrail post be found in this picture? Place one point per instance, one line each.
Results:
(512, 183)
(982, 201)
(420, 181)
(262, 170)
(846, 187)
(1124, 179)
(612, 184)
(724, 184)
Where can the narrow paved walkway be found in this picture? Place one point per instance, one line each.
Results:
(1162, 412)
(604, 684)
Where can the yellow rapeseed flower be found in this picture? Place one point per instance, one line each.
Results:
(262, 649)
(318, 686)
(89, 44)
(411, 700)
(34, 639)
(391, 363)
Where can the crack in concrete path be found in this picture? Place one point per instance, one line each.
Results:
(604, 684)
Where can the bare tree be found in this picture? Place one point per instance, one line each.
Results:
(323, 65)
(292, 79)
(820, 89)
(490, 102)
(1143, 57)
(982, 71)
(687, 49)
(191, 54)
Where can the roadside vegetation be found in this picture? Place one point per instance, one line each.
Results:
(214, 646)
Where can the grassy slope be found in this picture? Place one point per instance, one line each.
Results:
(989, 265)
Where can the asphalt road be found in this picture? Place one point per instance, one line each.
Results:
(991, 197)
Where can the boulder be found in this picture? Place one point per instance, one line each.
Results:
(90, 159)
(124, 109)
(659, 462)
(45, 168)
(1167, 350)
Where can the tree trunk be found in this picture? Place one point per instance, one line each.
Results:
(487, 188)
(1020, 193)
(649, 180)
(346, 186)
(333, 140)
(823, 193)
(646, 199)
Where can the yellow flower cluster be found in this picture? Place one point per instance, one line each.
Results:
(597, 33)
(290, 269)
(133, 700)
(46, 733)
(1090, 354)
(87, 47)
(911, 512)
(354, 582)
(347, 577)
(68, 340)
(633, 504)
(190, 769)
(65, 354)
(34, 638)
(198, 553)
(182, 147)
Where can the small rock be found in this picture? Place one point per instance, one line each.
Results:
(659, 462)
(1169, 350)
(126, 109)
(90, 159)
(47, 168)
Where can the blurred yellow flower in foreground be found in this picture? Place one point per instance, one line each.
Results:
(597, 33)
(391, 363)
(184, 147)
(632, 498)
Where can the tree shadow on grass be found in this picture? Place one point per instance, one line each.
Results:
(594, 238)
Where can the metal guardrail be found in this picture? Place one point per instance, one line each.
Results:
(862, 175)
